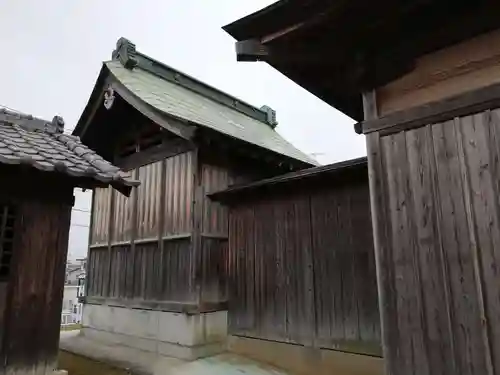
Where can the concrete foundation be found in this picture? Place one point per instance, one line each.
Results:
(171, 334)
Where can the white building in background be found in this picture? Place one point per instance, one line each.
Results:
(78, 309)
(70, 301)
(74, 269)
(74, 289)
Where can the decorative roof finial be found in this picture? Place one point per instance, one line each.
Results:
(58, 124)
(125, 52)
(270, 116)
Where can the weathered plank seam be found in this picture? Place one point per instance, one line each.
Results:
(161, 223)
(110, 240)
(438, 215)
(381, 224)
(421, 306)
(473, 241)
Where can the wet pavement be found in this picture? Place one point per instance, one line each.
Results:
(97, 358)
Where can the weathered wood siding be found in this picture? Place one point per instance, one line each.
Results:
(122, 217)
(149, 203)
(213, 263)
(179, 197)
(147, 255)
(302, 266)
(168, 241)
(99, 232)
(435, 195)
(214, 234)
(30, 313)
(214, 215)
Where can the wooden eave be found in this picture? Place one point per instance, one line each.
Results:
(32, 184)
(464, 104)
(359, 44)
(290, 181)
(227, 145)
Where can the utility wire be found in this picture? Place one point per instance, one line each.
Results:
(80, 225)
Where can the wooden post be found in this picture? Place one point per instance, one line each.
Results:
(196, 241)
(382, 253)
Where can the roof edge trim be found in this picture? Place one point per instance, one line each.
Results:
(165, 120)
(130, 58)
(225, 194)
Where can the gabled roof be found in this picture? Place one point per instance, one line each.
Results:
(173, 93)
(25, 140)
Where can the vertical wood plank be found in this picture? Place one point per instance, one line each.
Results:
(456, 255)
(491, 269)
(411, 307)
(481, 217)
(110, 237)
(197, 259)
(370, 107)
(432, 280)
(308, 267)
(383, 252)
(161, 225)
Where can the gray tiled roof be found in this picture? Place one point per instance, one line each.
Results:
(42, 145)
(180, 102)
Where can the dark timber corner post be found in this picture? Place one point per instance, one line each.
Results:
(377, 209)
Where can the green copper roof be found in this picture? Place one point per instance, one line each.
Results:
(179, 101)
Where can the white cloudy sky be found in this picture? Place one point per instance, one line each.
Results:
(52, 52)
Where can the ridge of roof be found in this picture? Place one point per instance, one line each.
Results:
(26, 140)
(129, 57)
(29, 122)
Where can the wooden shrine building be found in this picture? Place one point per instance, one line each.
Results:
(39, 168)
(157, 261)
(423, 80)
(302, 271)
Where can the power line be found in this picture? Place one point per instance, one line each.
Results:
(80, 225)
(80, 210)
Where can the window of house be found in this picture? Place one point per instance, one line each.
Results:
(7, 218)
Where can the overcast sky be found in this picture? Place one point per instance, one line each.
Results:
(52, 52)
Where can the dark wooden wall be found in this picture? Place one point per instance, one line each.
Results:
(436, 194)
(302, 266)
(214, 233)
(166, 245)
(140, 247)
(31, 295)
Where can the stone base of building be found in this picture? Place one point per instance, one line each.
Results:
(302, 360)
(179, 335)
